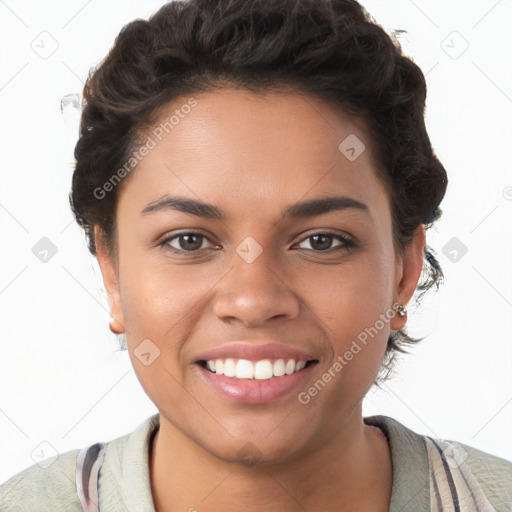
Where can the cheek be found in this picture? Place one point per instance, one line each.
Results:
(352, 296)
(354, 307)
(146, 290)
(159, 307)
(162, 301)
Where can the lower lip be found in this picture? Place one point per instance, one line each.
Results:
(254, 391)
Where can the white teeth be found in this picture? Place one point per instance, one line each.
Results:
(219, 367)
(263, 370)
(244, 369)
(299, 365)
(229, 368)
(279, 368)
(290, 367)
(259, 370)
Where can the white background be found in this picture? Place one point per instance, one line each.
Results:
(63, 379)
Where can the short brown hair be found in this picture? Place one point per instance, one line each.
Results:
(329, 49)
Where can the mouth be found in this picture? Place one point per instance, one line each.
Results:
(255, 382)
(264, 369)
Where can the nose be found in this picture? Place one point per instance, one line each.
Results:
(254, 293)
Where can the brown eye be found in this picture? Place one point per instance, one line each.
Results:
(323, 242)
(189, 242)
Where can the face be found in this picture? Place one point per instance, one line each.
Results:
(244, 276)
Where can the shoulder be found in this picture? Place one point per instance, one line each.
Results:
(117, 471)
(494, 474)
(46, 486)
(475, 474)
(418, 458)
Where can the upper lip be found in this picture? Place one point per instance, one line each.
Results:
(255, 352)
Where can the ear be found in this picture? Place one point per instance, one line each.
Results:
(408, 274)
(110, 280)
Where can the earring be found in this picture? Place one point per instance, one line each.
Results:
(402, 311)
(115, 329)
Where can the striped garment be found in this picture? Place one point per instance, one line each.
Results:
(429, 475)
(452, 484)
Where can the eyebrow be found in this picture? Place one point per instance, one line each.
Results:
(302, 209)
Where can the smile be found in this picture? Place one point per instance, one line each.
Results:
(264, 369)
(255, 382)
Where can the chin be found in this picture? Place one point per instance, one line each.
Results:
(272, 444)
(255, 454)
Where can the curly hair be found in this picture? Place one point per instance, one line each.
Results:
(332, 50)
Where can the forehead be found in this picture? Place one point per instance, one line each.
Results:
(247, 151)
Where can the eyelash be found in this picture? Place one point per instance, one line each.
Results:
(347, 243)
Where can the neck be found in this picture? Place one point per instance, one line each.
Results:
(352, 471)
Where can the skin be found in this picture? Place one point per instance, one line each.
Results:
(253, 156)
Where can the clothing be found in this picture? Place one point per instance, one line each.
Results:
(425, 476)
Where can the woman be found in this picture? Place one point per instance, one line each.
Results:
(256, 182)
